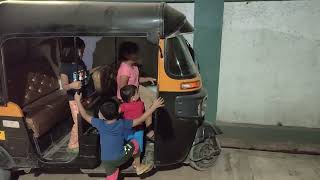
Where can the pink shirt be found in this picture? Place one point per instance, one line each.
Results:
(130, 71)
(132, 110)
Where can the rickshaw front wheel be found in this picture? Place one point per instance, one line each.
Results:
(5, 174)
(204, 155)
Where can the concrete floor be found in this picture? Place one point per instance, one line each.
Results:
(233, 165)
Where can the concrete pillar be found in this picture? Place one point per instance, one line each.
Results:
(207, 44)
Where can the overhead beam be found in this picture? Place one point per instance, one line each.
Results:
(189, 1)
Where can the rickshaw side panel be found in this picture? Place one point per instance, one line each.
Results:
(175, 136)
(178, 121)
(14, 139)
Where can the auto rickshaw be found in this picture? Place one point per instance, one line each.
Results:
(34, 112)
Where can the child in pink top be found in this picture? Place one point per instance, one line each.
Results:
(133, 108)
(128, 72)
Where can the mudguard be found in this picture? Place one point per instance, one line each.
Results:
(6, 161)
(206, 131)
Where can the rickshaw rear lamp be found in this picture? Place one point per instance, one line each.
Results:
(190, 85)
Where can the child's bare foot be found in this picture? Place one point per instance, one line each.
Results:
(143, 168)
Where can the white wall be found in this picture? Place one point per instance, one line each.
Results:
(270, 63)
(188, 10)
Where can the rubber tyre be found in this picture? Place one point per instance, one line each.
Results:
(5, 174)
(205, 164)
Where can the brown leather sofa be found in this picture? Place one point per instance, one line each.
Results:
(35, 88)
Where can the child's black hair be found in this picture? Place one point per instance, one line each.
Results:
(110, 109)
(127, 48)
(80, 43)
(69, 51)
(127, 92)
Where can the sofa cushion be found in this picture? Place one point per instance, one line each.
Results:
(30, 81)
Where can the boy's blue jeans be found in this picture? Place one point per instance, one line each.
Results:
(138, 136)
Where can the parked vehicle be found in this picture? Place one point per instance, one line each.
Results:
(34, 112)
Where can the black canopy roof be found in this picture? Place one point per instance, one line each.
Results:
(19, 18)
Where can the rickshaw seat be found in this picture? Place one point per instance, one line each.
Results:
(104, 80)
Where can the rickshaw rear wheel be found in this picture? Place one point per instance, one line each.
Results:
(5, 174)
(205, 154)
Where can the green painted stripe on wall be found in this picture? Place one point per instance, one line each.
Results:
(207, 44)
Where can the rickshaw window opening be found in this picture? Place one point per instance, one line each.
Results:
(179, 63)
(3, 91)
(1, 87)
